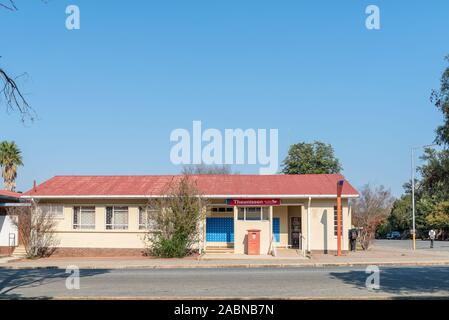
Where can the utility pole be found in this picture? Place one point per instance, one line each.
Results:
(413, 200)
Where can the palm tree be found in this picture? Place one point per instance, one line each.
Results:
(10, 158)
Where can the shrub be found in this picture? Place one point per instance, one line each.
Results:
(175, 219)
(174, 247)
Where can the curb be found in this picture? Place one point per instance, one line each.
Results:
(374, 296)
(242, 265)
(262, 298)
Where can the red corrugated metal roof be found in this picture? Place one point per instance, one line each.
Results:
(10, 194)
(236, 185)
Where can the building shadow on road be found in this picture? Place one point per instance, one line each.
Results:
(409, 281)
(13, 279)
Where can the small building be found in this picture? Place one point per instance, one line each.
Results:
(8, 230)
(105, 215)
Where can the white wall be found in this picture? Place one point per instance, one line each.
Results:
(322, 225)
(6, 227)
(241, 230)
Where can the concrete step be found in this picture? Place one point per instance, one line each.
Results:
(213, 249)
(19, 252)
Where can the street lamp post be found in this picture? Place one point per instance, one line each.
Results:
(413, 200)
(413, 191)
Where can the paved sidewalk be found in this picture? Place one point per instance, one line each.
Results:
(230, 256)
(378, 255)
(7, 259)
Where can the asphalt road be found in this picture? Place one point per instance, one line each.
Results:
(226, 283)
(407, 244)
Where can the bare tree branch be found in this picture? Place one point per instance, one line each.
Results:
(14, 99)
(196, 169)
(370, 210)
(36, 226)
(11, 6)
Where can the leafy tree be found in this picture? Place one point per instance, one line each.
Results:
(10, 159)
(439, 219)
(311, 158)
(435, 174)
(383, 229)
(401, 214)
(425, 204)
(400, 217)
(440, 98)
(432, 189)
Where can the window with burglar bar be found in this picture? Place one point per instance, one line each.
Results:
(55, 210)
(116, 218)
(145, 218)
(336, 223)
(222, 209)
(84, 218)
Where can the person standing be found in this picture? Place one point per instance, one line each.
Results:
(432, 237)
(353, 239)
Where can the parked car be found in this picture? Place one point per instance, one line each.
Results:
(393, 235)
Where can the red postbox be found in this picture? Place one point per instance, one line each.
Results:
(253, 242)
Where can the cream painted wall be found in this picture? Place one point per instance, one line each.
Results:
(99, 237)
(241, 229)
(322, 225)
(321, 213)
(105, 239)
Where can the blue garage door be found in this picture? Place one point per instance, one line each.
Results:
(277, 229)
(220, 229)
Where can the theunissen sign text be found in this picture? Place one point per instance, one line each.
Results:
(253, 202)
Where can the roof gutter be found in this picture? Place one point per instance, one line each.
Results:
(219, 196)
(9, 198)
(15, 204)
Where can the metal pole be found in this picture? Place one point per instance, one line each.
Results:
(413, 189)
(236, 226)
(413, 199)
(270, 211)
(339, 224)
(309, 236)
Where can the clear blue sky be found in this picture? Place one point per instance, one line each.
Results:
(109, 95)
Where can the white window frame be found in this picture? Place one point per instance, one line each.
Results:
(261, 214)
(115, 226)
(147, 225)
(80, 225)
(53, 209)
